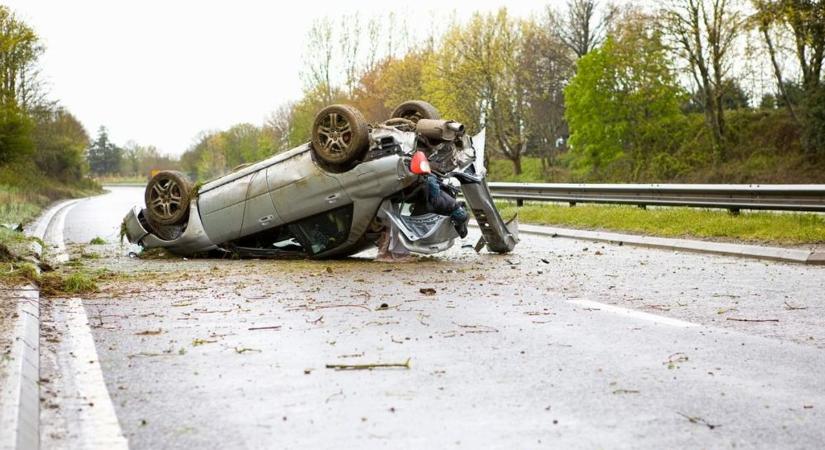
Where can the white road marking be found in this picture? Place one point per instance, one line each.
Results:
(97, 427)
(633, 313)
(53, 235)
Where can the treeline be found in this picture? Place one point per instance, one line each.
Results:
(42, 145)
(695, 90)
(107, 159)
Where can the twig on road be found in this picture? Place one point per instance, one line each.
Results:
(699, 420)
(751, 320)
(271, 327)
(342, 306)
(477, 328)
(246, 349)
(404, 365)
(790, 307)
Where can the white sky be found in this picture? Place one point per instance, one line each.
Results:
(159, 72)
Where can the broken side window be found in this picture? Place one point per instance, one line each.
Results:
(325, 231)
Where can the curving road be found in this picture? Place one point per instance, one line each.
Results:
(563, 343)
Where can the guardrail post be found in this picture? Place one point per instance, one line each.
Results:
(572, 203)
(519, 202)
(734, 211)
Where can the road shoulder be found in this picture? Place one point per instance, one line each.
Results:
(717, 248)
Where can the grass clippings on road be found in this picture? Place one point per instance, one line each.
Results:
(756, 227)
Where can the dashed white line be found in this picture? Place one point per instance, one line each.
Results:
(634, 314)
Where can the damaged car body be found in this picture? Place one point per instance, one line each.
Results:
(331, 197)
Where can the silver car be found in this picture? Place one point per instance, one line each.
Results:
(331, 197)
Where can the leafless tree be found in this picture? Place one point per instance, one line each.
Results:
(317, 72)
(278, 126)
(799, 26)
(582, 28)
(704, 33)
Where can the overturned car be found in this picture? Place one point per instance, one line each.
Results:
(332, 197)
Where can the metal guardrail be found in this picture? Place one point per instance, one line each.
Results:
(734, 197)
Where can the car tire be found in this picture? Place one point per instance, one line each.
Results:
(413, 110)
(167, 198)
(339, 135)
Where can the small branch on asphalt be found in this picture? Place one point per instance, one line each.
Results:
(342, 306)
(626, 391)
(404, 365)
(698, 420)
(477, 328)
(271, 327)
(150, 332)
(790, 307)
(245, 349)
(751, 320)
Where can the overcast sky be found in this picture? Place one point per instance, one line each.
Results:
(159, 72)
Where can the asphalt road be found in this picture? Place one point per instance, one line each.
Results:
(563, 343)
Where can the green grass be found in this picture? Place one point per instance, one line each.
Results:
(757, 227)
(97, 240)
(58, 284)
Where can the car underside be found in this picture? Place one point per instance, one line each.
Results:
(332, 197)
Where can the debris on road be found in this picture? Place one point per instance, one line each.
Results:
(404, 365)
(626, 391)
(751, 320)
(271, 327)
(427, 291)
(675, 359)
(149, 332)
(698, 420)
(790, 307)
(246, 349)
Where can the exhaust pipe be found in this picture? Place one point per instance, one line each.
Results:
(443, 130)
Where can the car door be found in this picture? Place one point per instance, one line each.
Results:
(300, 189)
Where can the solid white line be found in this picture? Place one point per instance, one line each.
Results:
(634, 314)
(97, 421)
(97, 426)
(54, 233)
(19, 394)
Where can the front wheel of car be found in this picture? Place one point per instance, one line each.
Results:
(339, 135)
(167, 198)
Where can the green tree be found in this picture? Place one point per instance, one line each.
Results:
(20, 49)
(477, 80)
(15, 134)
(623, 104)
(61, 142)
(103, 155)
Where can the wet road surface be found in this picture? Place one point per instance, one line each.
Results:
(563, 343)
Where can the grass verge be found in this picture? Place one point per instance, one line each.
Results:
(754, 227)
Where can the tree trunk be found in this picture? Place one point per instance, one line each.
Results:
(516, 165)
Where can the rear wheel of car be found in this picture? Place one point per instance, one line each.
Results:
(413, 110)
(167, 198)
(339, 135)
